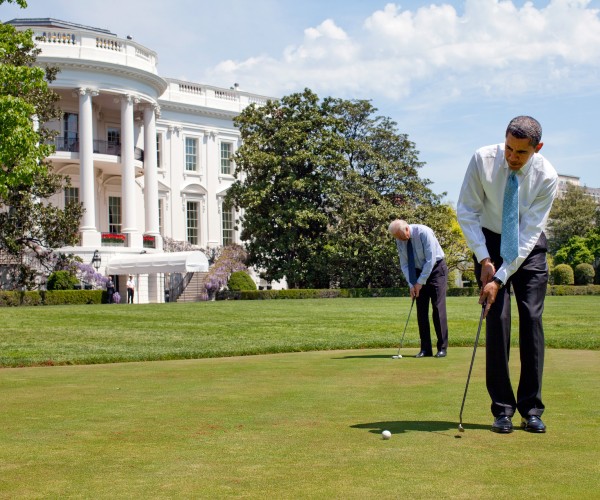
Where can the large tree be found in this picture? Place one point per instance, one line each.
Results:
(378, 182)
(286, 170)
(319, 182)
(30, 227)
(573, 214)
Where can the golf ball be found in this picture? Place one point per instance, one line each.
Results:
(386, 434)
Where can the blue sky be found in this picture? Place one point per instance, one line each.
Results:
(451, 73)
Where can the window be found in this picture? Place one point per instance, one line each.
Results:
(71, 195)
(227, 225)
(191, 154)
(71, 132)
(192, 222)
(226, 153)
(158, 150)
(113, 139)
(161, 217)
(113, 135)
(114, 214)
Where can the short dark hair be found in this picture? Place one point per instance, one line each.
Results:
(525, 127)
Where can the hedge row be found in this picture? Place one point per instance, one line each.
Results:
(381, 292)
(573, 290)
(52, 297)
(63, 297)
(332, 293)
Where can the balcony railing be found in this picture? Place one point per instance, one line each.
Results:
(100, 147)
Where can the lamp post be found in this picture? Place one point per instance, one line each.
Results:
(96, 260)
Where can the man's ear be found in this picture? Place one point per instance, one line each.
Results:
(538, 147)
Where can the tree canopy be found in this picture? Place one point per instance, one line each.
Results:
(573, 214)
(319, 182)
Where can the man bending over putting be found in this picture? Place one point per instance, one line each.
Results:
(502, 209)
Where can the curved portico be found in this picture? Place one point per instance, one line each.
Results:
(146, 156)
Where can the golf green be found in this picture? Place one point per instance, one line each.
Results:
(298, 425)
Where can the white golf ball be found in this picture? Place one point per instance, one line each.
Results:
(386, 434)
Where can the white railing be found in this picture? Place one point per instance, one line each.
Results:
(108, 43)
(190, 89)
(228, 96)
(261, 101)
(142, 53)
(94, 46)
(63, 37)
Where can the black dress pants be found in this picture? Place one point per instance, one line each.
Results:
(529, 285)
(434, 291)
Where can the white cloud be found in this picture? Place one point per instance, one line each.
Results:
(493, 48)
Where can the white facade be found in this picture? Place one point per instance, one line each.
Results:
(147, 156)
(565, 180)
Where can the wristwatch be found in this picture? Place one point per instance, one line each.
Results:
(498, 282)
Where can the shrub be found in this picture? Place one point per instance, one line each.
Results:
(64, 297)
(584, 274)
(573, 290)
(230, 260)
(563, 275)
(62, 280)
(240, 280)
(9, 299)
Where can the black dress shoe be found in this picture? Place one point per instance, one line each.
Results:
(441, 353)
(533, 423)
(424, 354)
(502, 425)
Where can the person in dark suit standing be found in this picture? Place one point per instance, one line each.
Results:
(110, 289)
(423, 265)
(130, 289)
(504, 203)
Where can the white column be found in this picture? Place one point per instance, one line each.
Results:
(151, 179)
(128, 170)
(89, 233)
(213, 181)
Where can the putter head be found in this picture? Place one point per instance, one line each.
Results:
(398, 356)
(461, 428)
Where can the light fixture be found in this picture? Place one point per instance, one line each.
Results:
(96, 260)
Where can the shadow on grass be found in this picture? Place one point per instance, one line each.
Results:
(402, 426)
(372, 356)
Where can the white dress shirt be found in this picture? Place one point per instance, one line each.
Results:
(482, 195)
(426, 249)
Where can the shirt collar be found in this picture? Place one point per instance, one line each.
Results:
(523, 170)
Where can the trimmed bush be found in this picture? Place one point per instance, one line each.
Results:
(573, 290)
(563, 275)
(8, 299)
(333, 293)
(467, 291)
(584, 274)
(240, 281)
(64, 297)
(62, 280)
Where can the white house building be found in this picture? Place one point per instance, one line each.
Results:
(148, 156)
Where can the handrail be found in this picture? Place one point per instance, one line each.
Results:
(100, 147)
(177, 285)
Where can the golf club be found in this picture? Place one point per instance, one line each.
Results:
(398, 356)
(460, 426)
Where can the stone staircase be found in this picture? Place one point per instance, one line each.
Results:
(195, 290)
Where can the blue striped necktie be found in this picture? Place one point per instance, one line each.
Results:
(412, 270)
(509, 243)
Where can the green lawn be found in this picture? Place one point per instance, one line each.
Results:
(299, 425)
(114, 333)
(286, 424)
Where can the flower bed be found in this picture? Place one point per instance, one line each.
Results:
(113, 239)
(149, 241)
